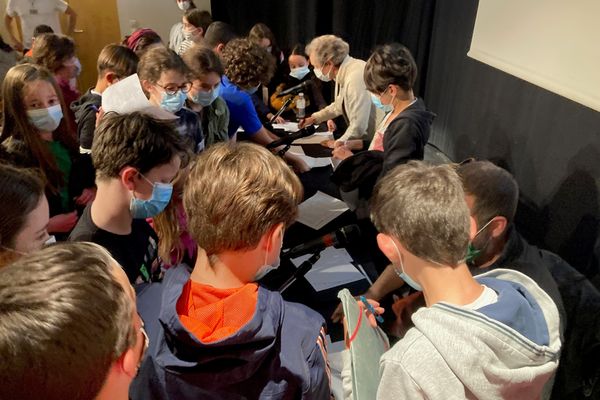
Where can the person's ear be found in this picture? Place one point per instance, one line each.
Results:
(111, 78)
(472, 227)
(129, 177)
(219, 48)
(147, 86)
(274, 236)
(386, 245)
(128, 362)
(498, 226)
(201, 32)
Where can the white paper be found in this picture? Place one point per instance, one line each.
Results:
(127, 96)
(333, 269)
(314, 139)
(287, 126)
(319, 210)
(324, 134)
(315, 162)
(298, 150)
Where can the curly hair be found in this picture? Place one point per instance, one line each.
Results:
(390, 64)
(247, 64)
(51, 50)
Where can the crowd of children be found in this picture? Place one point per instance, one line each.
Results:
(190, 212)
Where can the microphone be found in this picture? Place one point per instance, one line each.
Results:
(300, 271)
(295, 89)
(286, 140)
(339, 238)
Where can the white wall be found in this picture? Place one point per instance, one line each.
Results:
(159, 15)
(550, 43)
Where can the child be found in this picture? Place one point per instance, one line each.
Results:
(136, 158)
(496, 336)
(142, 40)
(195, 23)
(57, 54)
(300, 73)
(68, 326)
(24, 213)
(115, 62)
(35, 135)
(206, 71)
(164, 77)
(175, 246)
(247, 65)
(222, 335)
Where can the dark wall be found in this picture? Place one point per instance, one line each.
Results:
(551, 144)
(362, 23)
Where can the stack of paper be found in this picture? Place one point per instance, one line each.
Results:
(319, 210)
(333, 269)
(287, 126)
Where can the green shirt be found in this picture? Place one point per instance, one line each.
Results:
(63, 161)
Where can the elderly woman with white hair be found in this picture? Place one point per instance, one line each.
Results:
(329, 56)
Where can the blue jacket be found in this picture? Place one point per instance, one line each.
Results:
(276, 355)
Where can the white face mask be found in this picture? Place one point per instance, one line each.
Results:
(319, 73)
(183, 5)
(266, 268)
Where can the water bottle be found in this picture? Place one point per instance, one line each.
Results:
(301, 106)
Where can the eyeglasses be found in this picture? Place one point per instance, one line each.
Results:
(172, 89)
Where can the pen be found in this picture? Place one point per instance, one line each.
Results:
(371, 309)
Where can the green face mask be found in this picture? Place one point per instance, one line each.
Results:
(472, 252)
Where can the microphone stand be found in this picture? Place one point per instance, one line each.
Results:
(282, 109)
(301, 270)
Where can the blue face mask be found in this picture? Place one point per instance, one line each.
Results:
(252, 90)
(45, 119)
(161, 195)
(384, 107)
(206, 98)
(173, 102)
(403, 275)
(300, 72)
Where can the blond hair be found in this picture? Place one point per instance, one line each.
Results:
(235, 193)
(424, 207)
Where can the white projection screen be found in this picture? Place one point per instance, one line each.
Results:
(554, 44)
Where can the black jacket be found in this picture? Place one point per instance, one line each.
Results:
(85, 109)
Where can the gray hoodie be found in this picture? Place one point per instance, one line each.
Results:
(506, 350)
